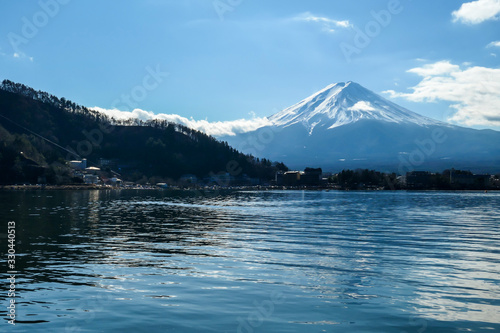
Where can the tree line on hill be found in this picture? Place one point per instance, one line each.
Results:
(40, 132)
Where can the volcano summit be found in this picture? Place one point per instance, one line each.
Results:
(348, 126)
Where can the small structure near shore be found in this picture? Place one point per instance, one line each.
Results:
(79, 165)
(308, 177)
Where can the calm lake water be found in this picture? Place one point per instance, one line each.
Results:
(284, 261)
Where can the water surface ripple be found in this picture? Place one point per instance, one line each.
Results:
(282, 261)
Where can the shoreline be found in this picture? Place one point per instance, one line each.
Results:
(80, 187)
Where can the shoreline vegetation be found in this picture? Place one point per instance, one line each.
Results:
(84, 187)
(310, 179)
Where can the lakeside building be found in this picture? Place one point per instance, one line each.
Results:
(311, 177)
(88, 175)
(291, 178)
(91, 179)
(79, 165)
(308, 177)
(92, 170)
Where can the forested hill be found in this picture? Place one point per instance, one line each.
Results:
(40, 132)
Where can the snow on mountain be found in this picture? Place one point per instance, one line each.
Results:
(344, 103)
(348, 126)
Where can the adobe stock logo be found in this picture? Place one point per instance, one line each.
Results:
(31, 27)
(260, 314)
(223, 6)
(94, 138)
(151, 81)
(424, 150)
(363, 38)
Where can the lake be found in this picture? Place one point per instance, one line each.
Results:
(269, 261)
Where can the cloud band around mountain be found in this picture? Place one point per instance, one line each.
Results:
(216, 129)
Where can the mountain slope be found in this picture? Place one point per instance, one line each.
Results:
(344, 103)
(29, 119)
(347, 126)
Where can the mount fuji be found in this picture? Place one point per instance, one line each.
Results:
(348, 126)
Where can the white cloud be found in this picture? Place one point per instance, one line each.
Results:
(361, 106)
(494, 44)
(217, 129)
(438, 68)
(329, 25)
(478, 11)
(474, 91)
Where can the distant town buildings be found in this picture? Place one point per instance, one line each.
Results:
(92, 175)
(308, 177)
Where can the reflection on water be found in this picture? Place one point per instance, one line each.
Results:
(256, 261)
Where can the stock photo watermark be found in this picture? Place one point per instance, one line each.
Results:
(258, 142)
(11, 272)
(262, 311)
(424, 149)
(420, 324)
(89, 308)
(363, 37)
(31, 26)
(224, 6)
(151, 81)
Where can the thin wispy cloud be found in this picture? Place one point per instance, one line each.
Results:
(217, 129)
(474, 91)
(478, 11)
(17, 55)
(327, 24)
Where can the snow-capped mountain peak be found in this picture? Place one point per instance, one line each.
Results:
(344, 103)
(345, 126)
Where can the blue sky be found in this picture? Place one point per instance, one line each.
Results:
(232, 59)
